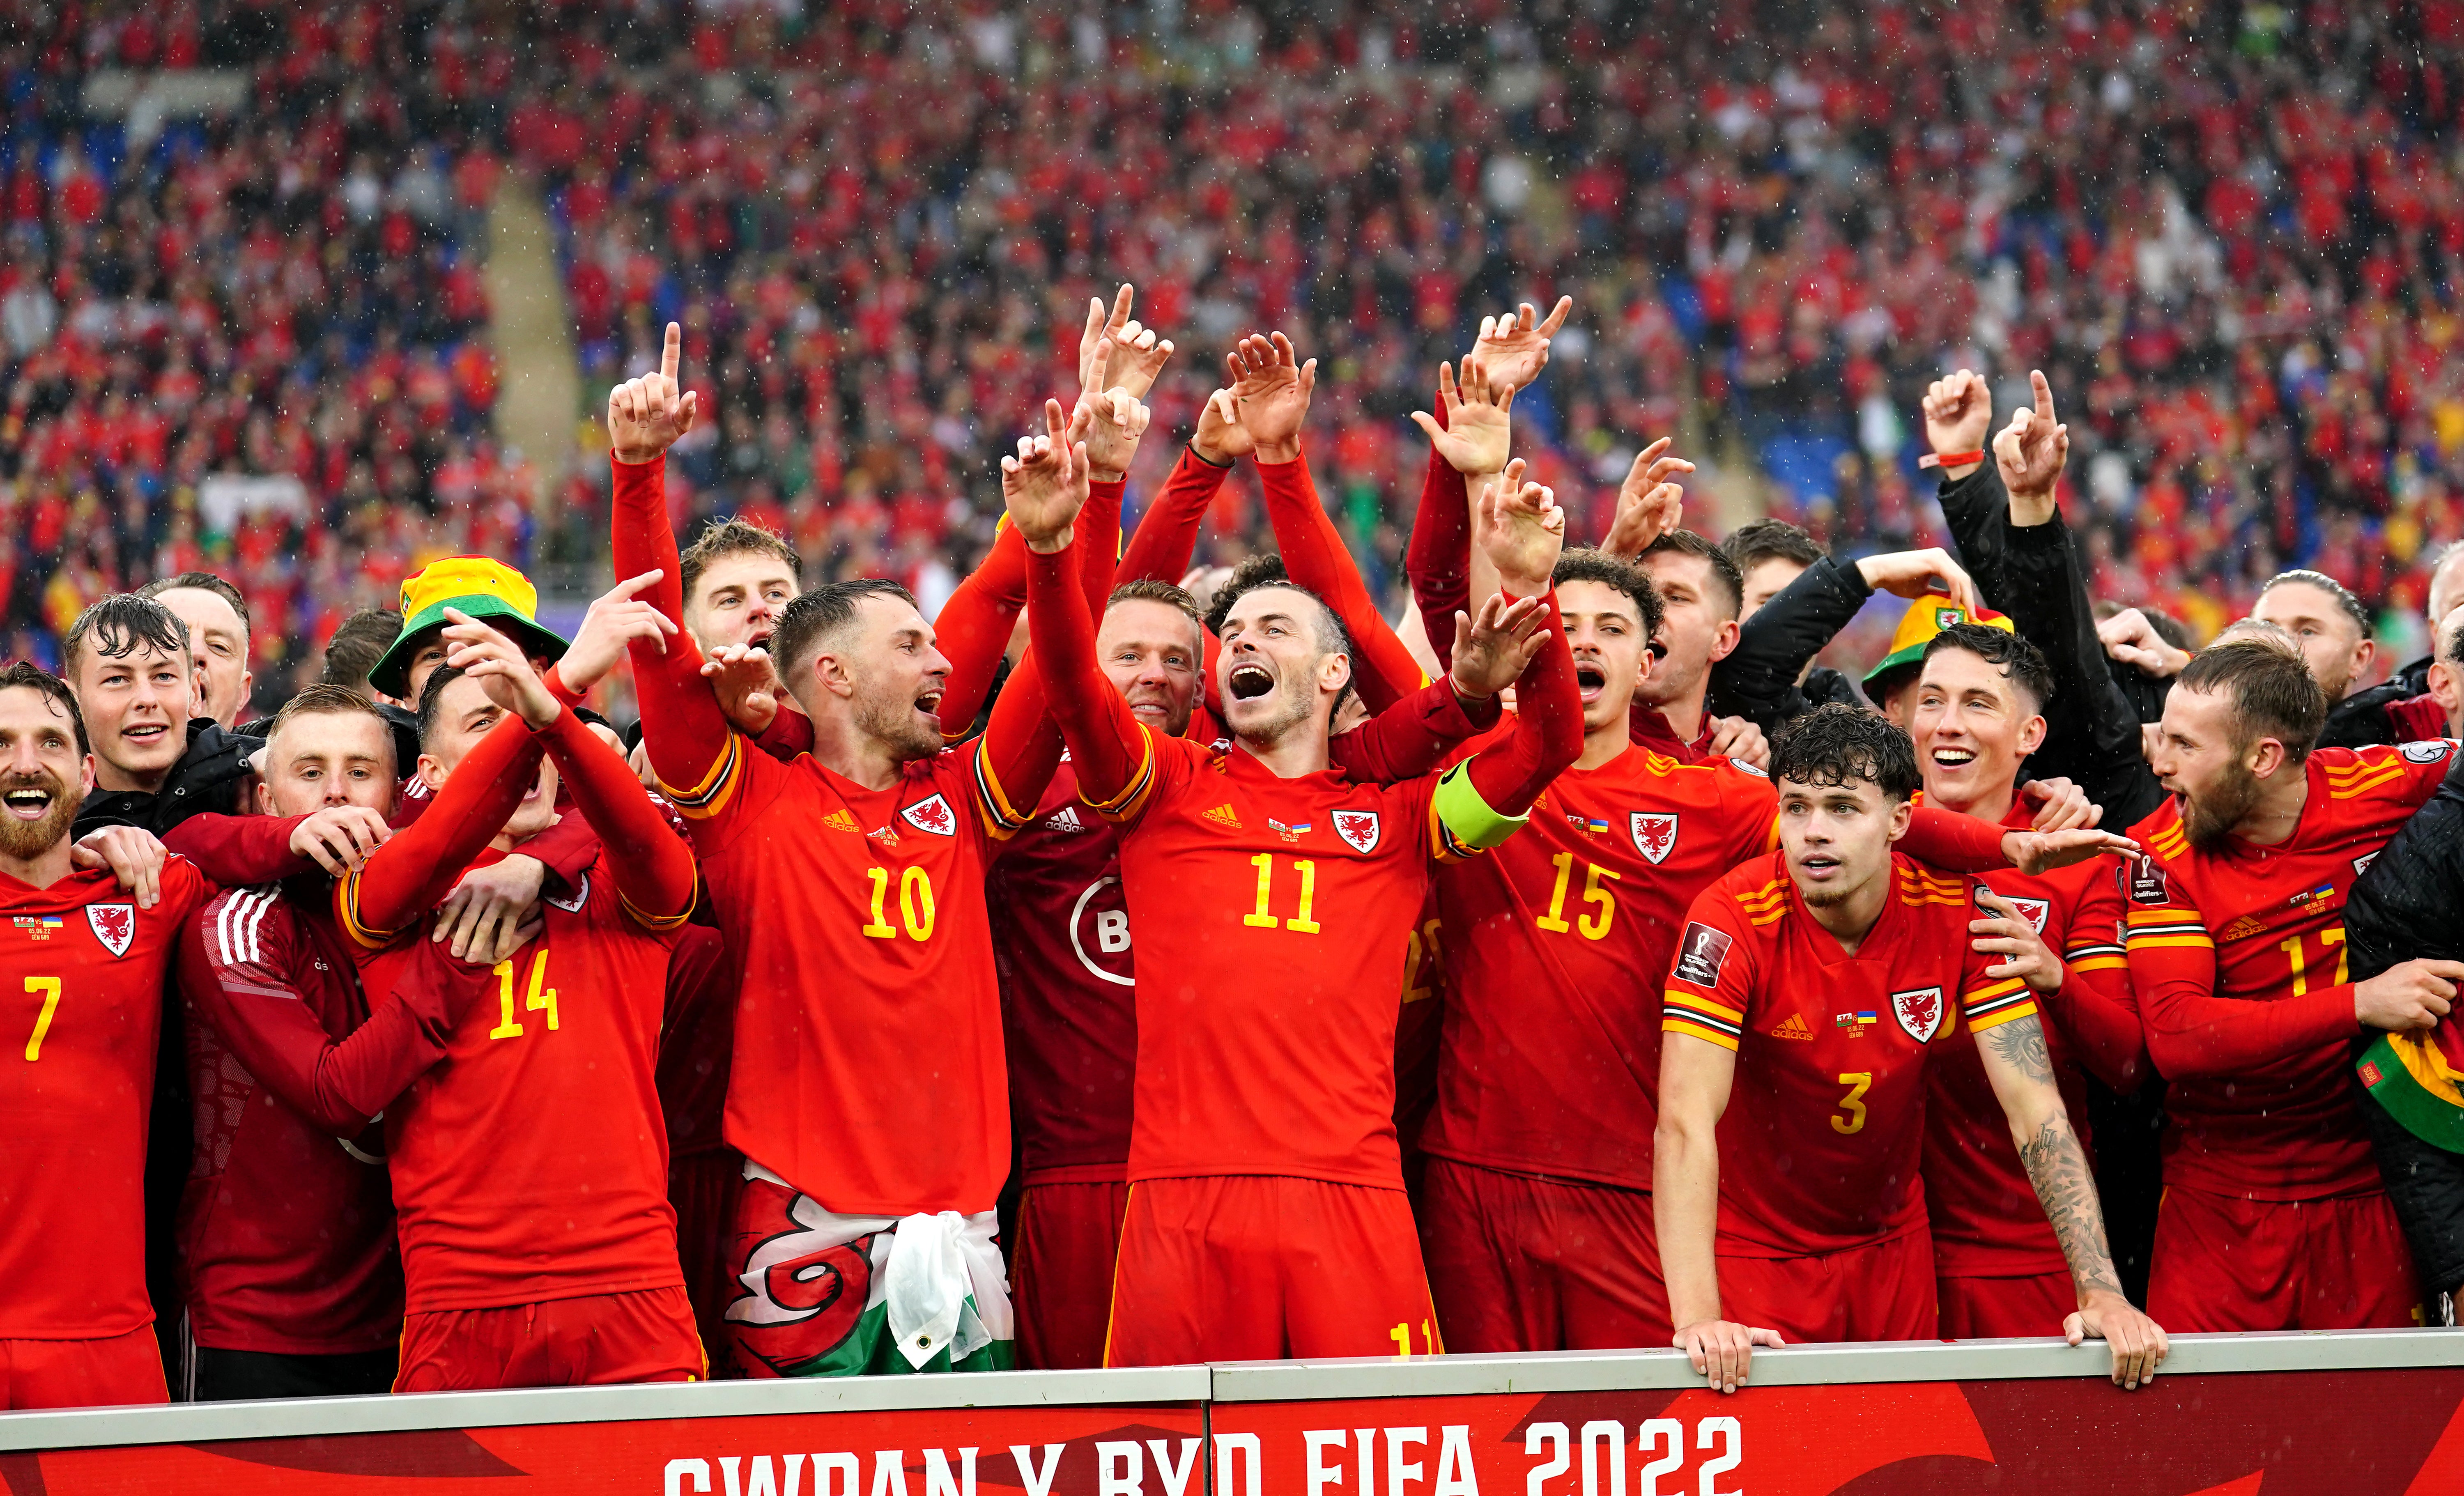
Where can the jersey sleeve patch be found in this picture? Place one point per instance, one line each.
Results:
(1466, 820)
(1703, 954)
(1997, 1004)
(2151, 930)
(708, 798)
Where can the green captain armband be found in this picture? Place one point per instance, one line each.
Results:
(1467, 818)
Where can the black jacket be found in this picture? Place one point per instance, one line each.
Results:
(2360, 718)
(1758, 680)
(2408, 903)
(206, 780)
(2092, 724)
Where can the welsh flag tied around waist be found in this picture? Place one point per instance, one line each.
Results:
(2419, 1079)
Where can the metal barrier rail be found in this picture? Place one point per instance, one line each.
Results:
(2351, 1412)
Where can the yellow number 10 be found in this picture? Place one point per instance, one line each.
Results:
(50, 989)
(1300, 923)
(914, 905)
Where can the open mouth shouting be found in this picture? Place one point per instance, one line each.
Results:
(28, 801)
(929, 702)
(1590, 680)
(1247, 682)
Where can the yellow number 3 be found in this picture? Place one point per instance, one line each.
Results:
(1852, 1105)
(49, 988)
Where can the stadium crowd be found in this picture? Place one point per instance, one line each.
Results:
(2231, 229)
(1148, 961)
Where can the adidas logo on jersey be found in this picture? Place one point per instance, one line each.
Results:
(2241, 929)
(1222, 816)
(1792, 1027)
(1065, 819)
(840, 820)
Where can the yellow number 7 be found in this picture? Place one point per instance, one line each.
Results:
(50, 988)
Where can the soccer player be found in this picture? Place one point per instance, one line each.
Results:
(1701, 594)
(1977, 710)
(218, 618)
(867, 1092)
(86, 965)
(530, 1164)
(1536, 1209)
(287, 1229)
(2331, 625)
(1811, 993)
(155, 764)
(2273, 1214)
(1266, 1215)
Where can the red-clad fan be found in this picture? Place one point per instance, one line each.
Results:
(1266, 1216)
(530, 1165)
(287, 1230)
(1809, 994)
(1536, 1209)
(1978, 712)
(86, 964)
(2273, 1215)
(868, 1092)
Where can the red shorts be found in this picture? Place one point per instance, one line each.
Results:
(702, 1188)
(116, 1371)
(1879, 1292)
(2223, 1264)
(1061, 1272)
(1522, 1263)
(594, 1339)
(2005, 1309)
(1252, 1267)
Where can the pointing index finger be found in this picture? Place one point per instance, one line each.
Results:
(672, 353)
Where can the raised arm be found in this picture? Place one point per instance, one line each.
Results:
(1521, 533)
(1161, 547)
(408, 875)
(1045, 487)
(2094, 1009)
(686, 733)
(1270, 399)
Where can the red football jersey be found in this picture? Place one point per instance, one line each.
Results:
(2238, 958)
(1061, 929)
(1820, 1144)
(868, 974)
(1275, 915)
(84, 1004)
(287, 1225)
(1986, 1218)
(1550, 1057)
(531, 1163)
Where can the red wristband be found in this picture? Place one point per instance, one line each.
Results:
(1949, 459)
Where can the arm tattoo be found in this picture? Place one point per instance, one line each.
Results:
(2057, 1167)
(2021, 1044)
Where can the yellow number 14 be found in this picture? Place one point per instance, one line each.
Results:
(539, 995)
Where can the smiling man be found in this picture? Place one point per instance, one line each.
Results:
(86, 965)
(851, 881)
(1267, 1216)
(1978, 709)
(156, 762)
(1811, 992)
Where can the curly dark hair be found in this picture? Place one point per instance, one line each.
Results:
(1834, 745)
(1609, 570)
(1263, 569)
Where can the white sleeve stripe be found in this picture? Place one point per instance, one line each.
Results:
(255, 923)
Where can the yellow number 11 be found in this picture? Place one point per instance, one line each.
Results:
(1300, 923)
(50, 988)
